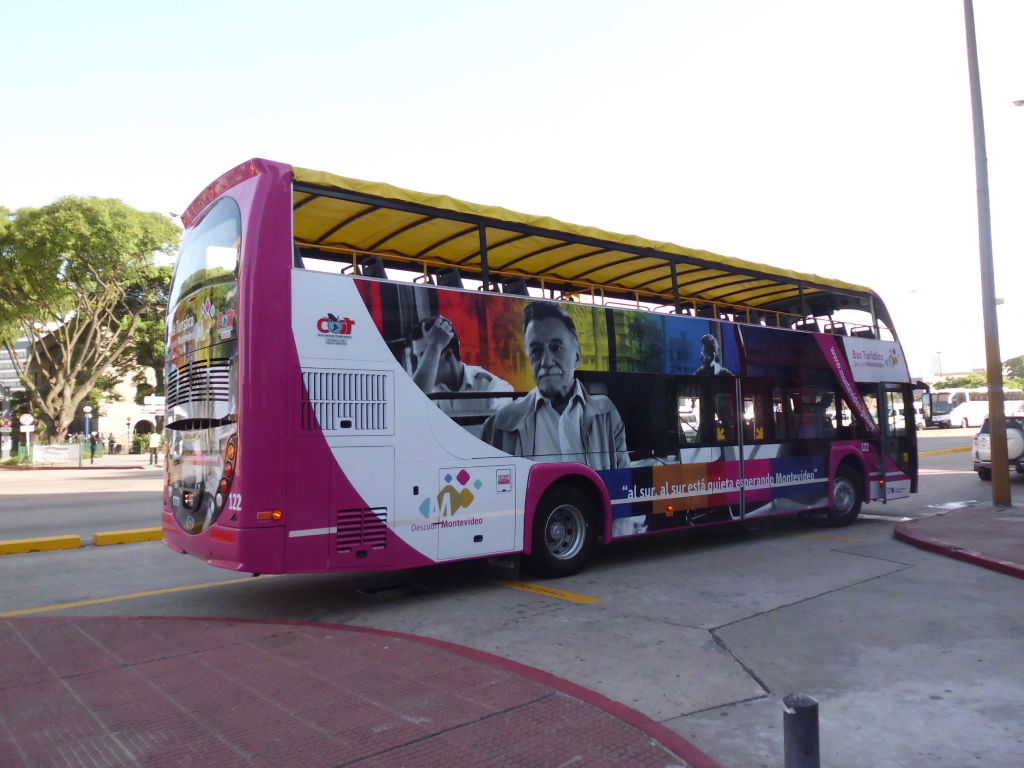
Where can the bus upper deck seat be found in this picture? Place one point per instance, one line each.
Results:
(449, 277)
(515, 286)
(372, 266)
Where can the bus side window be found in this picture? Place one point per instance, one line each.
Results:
(725, 411)
(688, 409)
(811, 417)
(780, 417)
(757, 412)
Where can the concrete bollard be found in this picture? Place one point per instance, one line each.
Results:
(800, 731)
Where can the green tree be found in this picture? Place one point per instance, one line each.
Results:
(1014, 367)
(78, 278)
(970, 381)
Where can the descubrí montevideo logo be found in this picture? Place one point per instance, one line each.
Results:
(452, 497)
(334, 329)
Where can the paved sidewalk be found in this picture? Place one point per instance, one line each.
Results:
(987, 535)
(114, 461)
(181, 692)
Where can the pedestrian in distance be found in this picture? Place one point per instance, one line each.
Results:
(154, 446)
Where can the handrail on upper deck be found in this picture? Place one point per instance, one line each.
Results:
(689, 306)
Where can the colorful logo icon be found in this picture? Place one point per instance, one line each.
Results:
(450, 499)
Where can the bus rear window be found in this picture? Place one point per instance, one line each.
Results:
(209, 254)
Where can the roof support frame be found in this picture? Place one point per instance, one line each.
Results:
(562, 238)
(337, 227)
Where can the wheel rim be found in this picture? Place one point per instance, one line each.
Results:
(565, 532)
(844, 496)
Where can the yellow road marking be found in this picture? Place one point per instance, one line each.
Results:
(131, 596)
(827, 538)
(941, 451)
(559, 594)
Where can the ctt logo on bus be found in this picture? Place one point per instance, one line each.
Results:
(334, 329)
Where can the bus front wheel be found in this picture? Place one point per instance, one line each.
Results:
(846, 498)
(561, 532)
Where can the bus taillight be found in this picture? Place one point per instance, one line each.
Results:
(224, 486)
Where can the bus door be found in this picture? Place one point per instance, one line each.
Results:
(899, 437)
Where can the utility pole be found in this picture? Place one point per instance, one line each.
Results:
(993, 365)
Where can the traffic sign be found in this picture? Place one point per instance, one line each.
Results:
(27, 419)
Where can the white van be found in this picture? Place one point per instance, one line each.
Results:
(970, 414)
(898, 417)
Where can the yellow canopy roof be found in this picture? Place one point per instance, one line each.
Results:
(339, 215)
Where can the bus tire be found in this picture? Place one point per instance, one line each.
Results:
(561, 532)
(847, 496)
(985, 473)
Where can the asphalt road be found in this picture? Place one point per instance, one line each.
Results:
(914, 657)
(78, 501)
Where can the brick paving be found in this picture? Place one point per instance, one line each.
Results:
(987, 535)
(108, 692)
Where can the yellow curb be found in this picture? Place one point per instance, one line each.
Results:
(127, 537)
(944, 450)
(20, 546)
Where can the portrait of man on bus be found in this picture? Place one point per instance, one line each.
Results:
(558, 420)
(438, 367)
(711, 358)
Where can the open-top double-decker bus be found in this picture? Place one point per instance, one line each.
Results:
(365, 377)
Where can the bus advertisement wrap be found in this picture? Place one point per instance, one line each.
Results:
(360, 377)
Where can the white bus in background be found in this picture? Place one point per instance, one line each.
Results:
(969, 407)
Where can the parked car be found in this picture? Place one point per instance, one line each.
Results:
(1014, 447)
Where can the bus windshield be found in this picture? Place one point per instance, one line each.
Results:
(209, 254)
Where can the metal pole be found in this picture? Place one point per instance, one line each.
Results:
(485, 269)
(800, 731)
(993, 365)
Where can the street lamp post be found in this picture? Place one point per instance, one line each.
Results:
(88, 434)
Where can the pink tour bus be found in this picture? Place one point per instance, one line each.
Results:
(364, 377)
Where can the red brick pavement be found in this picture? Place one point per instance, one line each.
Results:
(989, 536)
(183, 693)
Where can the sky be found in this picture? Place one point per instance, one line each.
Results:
(833, 138)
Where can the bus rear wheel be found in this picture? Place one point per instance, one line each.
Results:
(846, 499)
(561, 532)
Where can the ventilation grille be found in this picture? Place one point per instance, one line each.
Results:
(203, 381)
(351, 403)
(362, 529)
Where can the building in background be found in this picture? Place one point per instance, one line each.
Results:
(123, 418)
